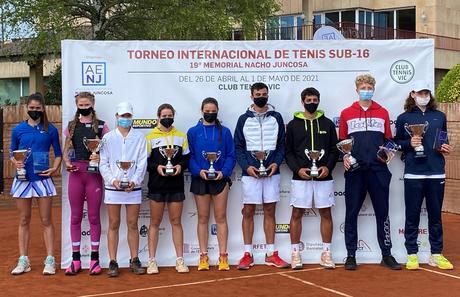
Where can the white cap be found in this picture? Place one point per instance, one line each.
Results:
(421, 85)
(124, 107)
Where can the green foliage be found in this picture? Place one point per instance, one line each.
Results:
(53, 84)
(449, 88)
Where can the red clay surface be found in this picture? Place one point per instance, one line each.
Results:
(368, 280)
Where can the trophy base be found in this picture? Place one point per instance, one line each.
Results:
(353, 167)
(124, 185)
(314, 173)
(21, 177)
(419, 155)
(211, 175)
(262, 174)
(92, 169)
(168, 171)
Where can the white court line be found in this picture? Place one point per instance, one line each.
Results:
(441, 273)
(200, 282)
(316, 286)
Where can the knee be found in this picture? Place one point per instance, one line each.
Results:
(325, 214)
(132, 224)
(297, 214)
(46, 222)
(203, 219)
(221, 218)
(114, 224)
(76, 219)
(175, 221)
(155, 223)
(94, 219)
(24, 221)
(269, 210)
(248, 212)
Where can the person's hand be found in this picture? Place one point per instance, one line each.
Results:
(130, 187)
(272, 168)
(219, 175)
(323, 172)
(252, 171)
(94, 157)
(304, 173)
(70, 167)
(346, 162)
(161, 170)
(446, 149)
(178, 169)
(415, 141)
(203, 174)
(47, 172)
(116, 184)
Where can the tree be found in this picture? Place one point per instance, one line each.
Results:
(449, 88)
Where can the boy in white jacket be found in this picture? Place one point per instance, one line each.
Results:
(123, 145)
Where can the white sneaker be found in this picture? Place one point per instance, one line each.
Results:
(50, 266)
(152, 266)
(180, 265)
(296, 261)
(23, 266)
(326, 260)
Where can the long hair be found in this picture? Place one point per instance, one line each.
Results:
(165, 106)
(410, 104)
(211, 100)
(76, 118)
(39, 97)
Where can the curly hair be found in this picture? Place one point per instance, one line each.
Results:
(365, 78)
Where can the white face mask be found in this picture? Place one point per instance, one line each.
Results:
(422, 101)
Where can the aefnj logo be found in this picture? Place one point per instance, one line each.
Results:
(402, 71)
(93, 73)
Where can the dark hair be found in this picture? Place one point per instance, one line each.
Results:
(39, 97)
(410, 103)
(76, 118)
(309, 92)
(165, 106)
(211, 100)
(258, 86)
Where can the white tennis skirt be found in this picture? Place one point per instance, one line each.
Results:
(31, 189)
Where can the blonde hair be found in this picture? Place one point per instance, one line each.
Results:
(365, 78)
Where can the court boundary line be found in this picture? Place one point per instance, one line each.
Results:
(315, 285)
(201, 282)
(440, 273)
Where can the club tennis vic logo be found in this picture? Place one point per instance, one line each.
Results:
(93, 73)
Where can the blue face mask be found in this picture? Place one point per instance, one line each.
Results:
(124, 122)
(366, 94)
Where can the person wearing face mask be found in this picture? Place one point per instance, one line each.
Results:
(166, 188)
(209, 136)
(260, 132)
(37, 135)
(123, 144)
(83, 185)
(311, 130)
(368, 123)
(424, 178)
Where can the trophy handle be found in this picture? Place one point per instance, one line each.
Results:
(307, 153)
(204, 154)
(321, 154)
(425, 128)
(406, 127)
(219, 153)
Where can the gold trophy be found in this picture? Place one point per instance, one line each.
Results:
(417, 130)
(125, 166)
(345, 146)
(261, 156)
(169, 153)
(211, 157)
(94, 146)
(21, 156)
(314, 156)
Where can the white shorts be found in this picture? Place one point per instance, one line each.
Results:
(261, 190)
(312, 193)
(122, 197)
(31, 189)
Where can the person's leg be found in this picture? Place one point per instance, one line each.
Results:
(94, 191)
(156, 216)
(44, 207)
(326, 225)
(248, 212)
(203, 203)
(175, 218)
(113, 211)
(24, 206)
(434, 193)
(132, 217)
(295, 227)
(220, 216)
(269, 224)
(76, 192)
(413, 199)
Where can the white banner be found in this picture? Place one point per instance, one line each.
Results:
(183, 73)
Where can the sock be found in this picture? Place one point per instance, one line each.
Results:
(295, 247)
(326, 246)
(270, 249)
(248, 248)
(94, 255)
(76, 256)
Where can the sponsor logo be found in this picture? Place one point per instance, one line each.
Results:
(85, 233)
(143, 231)
(402, 71)
(301, 246)
(336, 121)
(423, 245)
(85, 250)
(213, 229)
(368, 124)
(194, 248)
(339, 193)
(363, 246)
(144, 249)
(342, 227)
(144, 123)
(310, 246)
(366, 211)
(259, 247)
(310, 212)
(422, 231)
(191, 214)
(282, 228)
(93, 73)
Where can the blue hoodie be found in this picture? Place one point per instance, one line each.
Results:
(433, 163)
(206, 138)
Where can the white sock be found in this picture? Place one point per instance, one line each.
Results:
(295, 247)
(270, 249)
(326, 246)
(248, 248)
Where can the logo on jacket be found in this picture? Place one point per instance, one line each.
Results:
(402, 71)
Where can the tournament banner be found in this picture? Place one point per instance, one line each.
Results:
(183, 73)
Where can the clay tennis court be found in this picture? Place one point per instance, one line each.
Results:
(368, 280)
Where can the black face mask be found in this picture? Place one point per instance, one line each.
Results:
(210, 117)
(260, 101)
(167, 122)
(35, 114)
(85, 111)
(311, 107)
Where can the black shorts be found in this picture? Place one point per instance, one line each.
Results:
(167, 197)
(200, 186)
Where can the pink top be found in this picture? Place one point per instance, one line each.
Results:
(105, 128)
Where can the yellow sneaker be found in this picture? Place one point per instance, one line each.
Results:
(412, 262)
(204, 262)
(223, 262)
(438, 260)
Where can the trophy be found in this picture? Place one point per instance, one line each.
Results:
(94, 146)
(261, 156)
(21, 156)
(169, 153)
(387, 152)
(441, 138)
(314, 156)
(125, 166)
(417, 130)
(211, 157)
(345, 146)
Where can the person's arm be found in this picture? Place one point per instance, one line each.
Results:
(230, 159)
(104, 162)
(333, 151)
(343, 127)
(400, 136)
(193, 166)
(280, 142)
(291, 159)
(184, 161)
(54, 136)
(240, 145)
(14, 145)
(141, 164)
